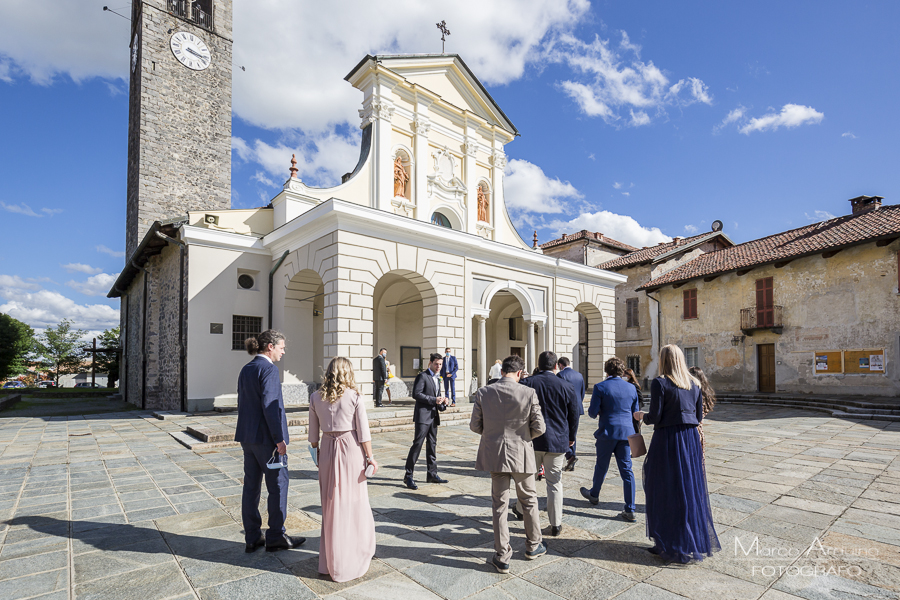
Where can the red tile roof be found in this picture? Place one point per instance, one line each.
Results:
(873, 225)
(652, 252)
(584, 234)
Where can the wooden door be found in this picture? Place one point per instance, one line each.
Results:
(765, 303)
(765, 366)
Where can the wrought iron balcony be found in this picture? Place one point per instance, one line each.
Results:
(753, 319)
(193, 12)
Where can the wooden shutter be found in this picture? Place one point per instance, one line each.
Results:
(631, 313)
(765, 303)
(690, 304)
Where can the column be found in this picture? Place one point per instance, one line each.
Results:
(421, 125)
(542, 342)
(482, 350)
(530, 362)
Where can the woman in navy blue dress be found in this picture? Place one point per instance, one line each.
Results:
(679, 518)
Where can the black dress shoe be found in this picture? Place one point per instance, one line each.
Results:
(435, 479)
(285, 543)
(555, 530)
(570, 465)
(252, 546)
(408, 482)
(515, 511)
(379, 405)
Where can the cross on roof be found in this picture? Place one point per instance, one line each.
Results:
(444, 33)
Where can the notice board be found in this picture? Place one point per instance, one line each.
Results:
(828, 362)
(864, 362)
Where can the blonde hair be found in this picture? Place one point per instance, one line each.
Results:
(673, 366)
(338, 379)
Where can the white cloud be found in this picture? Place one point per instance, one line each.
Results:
(611, 81)
(321, 158)
(819, 215)
(43, 40)
(617, 185)
(324, 40)
(81, 268)
(691, 229)
(527, 189)
(41, 308)
(52, 211)
(791, 115)
(110, 251)
(263, 179)
(619, 227)
(848, 135)
(21, 209)
(626, 193)
(732, 117)
(96, 285)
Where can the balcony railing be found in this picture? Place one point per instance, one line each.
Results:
(192, 11)
(753, 319)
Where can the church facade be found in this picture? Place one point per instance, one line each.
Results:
(414, 251)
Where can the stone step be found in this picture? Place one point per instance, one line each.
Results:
(166, 415)
(208, 434)
(833, 410)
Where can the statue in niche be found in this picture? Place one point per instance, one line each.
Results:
(484, 205)
(401, 178)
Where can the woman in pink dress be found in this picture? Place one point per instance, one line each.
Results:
(347, 544)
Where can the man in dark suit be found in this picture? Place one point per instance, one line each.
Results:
(429, 402)
(262, 431)
(448, 372)
(559, 407)
(569, 374)
(379, 376)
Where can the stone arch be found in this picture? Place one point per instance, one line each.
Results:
(405, 316)
(587, 355)
(303, 324)
(529, 311)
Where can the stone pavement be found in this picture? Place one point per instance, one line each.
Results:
(111, 506)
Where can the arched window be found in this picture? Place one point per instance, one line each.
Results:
(439, 219)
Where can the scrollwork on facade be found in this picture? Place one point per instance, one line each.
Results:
(378, 108)
(470, 145)
(421, 125)
(498, 159)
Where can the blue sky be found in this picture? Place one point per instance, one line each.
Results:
(643, 120)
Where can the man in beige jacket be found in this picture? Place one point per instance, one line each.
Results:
(508, 416)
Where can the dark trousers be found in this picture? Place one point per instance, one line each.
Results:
(427, 433)
(255, 458)
(378, 392)
(571, 451)
(450, 388)
(605, 449)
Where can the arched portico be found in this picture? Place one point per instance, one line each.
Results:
(587, 353)
(303, 326)
(405, 321)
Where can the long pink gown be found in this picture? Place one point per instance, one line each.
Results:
(347, 544)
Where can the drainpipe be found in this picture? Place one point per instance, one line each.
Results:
(655, 341)
(182, 354)
(271, 279)
(143, 335)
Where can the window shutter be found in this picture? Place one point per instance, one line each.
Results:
(765, 303)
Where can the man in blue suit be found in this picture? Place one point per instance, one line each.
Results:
(569, 374)
(614, 400)
(560, 411)
(262, 431)
(448, 372)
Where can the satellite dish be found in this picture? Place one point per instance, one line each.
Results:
(717, 225)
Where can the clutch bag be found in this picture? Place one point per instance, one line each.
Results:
(636, 442)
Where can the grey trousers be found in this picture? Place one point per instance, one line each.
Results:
(553, 466)
(526, 493)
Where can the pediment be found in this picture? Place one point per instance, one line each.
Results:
(446, 76)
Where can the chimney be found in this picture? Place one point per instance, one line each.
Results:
(863, 204)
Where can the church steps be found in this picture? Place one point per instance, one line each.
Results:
(887, 409)
(384, 420)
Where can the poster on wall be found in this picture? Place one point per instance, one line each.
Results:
(863, 363)
(821, 362)
(860, 362)
(827, 362)
(876, 362)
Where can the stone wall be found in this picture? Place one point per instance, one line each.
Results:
(179, 131)
(846, 302)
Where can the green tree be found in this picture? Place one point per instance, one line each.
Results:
(62, 348)
(108, 362)
(16, 341)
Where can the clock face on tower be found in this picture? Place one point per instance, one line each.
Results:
(190, 50)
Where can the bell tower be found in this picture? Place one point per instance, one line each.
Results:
(179, 121)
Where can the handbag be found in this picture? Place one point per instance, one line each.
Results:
(636, 442)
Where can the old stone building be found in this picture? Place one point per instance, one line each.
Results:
(637, 331)
(811, 310)
(414, 251)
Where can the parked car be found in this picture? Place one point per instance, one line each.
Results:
(13, 384)
(87, 385)
(46, 384)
